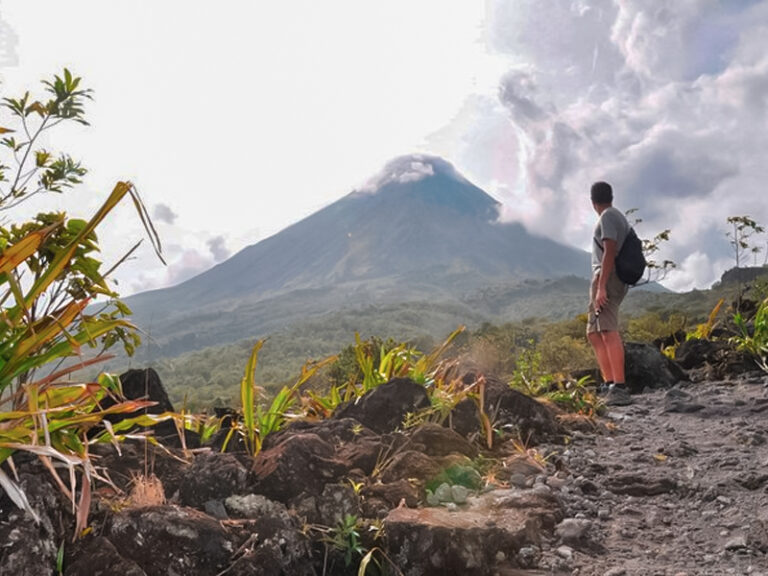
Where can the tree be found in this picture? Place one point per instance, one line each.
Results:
(656, 270)
(744, 228)
(49, 273)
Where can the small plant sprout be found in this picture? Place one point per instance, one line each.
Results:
(345, 537)
(356, 486)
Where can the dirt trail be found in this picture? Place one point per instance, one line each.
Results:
(679, 487)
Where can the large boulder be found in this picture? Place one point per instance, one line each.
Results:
(273, 540)
(329, 508)
(646, 367)
(212, 477)
(509, 409)
(145, 384)
(336, 431)
(712, 359)
(384, 408)
(410, 464)
(301, 463)
(363, 455)
(170, 540)
(485, 535)
(435, 440)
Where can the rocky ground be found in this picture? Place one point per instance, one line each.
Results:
(676, 484)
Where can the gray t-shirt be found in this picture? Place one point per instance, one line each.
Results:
(613, 225)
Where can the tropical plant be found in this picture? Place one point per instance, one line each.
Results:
(754, 341)
(345, 537)
(529, 375)
(260, 419)
(376, 362)
(704, 331)
(576, 396)
(48, 275)
(383, 567)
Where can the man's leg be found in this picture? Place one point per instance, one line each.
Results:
(601, 353)
(614, 350)
(618, 395)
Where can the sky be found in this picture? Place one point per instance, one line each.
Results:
(237, 119)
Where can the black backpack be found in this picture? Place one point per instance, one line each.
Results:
(630, 261)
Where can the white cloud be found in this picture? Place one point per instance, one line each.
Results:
(696, 270)
(8, 42)
(667, 101)
(189, 264)
(218, 248)
(164, 213)
(401, 170)
(532, 100)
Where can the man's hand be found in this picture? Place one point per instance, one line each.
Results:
(601, 297)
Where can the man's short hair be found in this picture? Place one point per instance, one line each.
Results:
(601, 193)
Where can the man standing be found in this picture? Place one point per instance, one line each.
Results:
(606, 293)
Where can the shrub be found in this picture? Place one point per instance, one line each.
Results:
(49, 273)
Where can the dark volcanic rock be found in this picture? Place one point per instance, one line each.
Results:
(28, 547)
(712, 359)
(273, 542)
(212, 476)
(676, 400)
(171, 540)
(299, 464)
(640, 485)
(330, 507)
(384, 408)
(145, 384)
(508, 408)
(696, 352)
(137, 458)
(435, 440)
(646, 367)
(336, 431)
(393, 493)
(410, 464)
(99, 557)
(363, 455)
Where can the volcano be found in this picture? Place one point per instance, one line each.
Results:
(416, 230)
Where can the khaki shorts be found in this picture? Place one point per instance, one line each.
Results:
(608, 318)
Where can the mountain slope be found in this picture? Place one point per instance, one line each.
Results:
(417, 231)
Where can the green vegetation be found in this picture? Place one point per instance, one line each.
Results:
(260, 416)
(49, 273)
(345, 537)
(754, 341)
(465, 475)
(211, 377)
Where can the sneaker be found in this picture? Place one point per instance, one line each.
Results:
(604, 387)
(618, 396)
